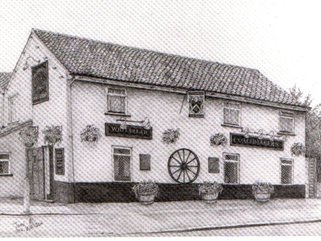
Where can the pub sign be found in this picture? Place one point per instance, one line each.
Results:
(40, 83)
(255, 141)
(131, 131)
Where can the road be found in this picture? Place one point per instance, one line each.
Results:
(305, 229)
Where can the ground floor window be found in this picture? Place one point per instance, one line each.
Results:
(231, 168)
(122, 157)
(286, 171)
(4, 163)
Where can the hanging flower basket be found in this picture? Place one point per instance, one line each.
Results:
(90, 134)
(170, 136)
(218, 139)
(52, 134)
(209, 191)
(146, 192)
(29, 135)
(262, 191)
(297, 149)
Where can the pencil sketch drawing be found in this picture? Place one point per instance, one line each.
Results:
(102, 139)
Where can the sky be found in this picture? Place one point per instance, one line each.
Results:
(281, 38)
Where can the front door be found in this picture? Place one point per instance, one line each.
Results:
(35, 158)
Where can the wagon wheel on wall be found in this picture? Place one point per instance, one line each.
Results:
(183, 166)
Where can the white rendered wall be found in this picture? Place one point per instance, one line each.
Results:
(93, 163)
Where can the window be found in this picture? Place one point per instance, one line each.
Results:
(121, 158)
(12, 109)
(231, 113)
(4, 164)
(116, 101)
(286, 122)
(196, 103)
(231, 168)
(286, 171)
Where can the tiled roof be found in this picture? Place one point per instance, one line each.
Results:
(4, 79)
(105, 60)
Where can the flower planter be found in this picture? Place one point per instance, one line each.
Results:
(262, 191)
(262, 197)
(145, 192)
(210, 197)
(209, 191)
(146, 198)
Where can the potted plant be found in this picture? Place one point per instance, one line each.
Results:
(209, 191)
(218, 139)
(170, 136)
(146, 192)
(262, 191)
(52, 134)
(297, 149)
(90, 134)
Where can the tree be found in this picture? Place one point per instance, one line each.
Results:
(313, 123)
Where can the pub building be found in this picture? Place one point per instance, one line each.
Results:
(123, 115)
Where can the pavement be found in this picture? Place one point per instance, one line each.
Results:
(128, 219)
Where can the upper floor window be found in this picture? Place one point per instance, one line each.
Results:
(40, 83)
(196, 101)
(286, 171)
(286, 122)
(116, 101)
(4, 164)
(231, 113)
(12, 115)
(231, 168)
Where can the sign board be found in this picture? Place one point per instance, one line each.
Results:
(60, 161)
(213, 165)
(144, 162)
(254, 141)
(40, 83)
(131, 131)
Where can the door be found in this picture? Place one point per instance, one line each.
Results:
(35, 158)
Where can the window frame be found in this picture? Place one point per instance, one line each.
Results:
(196, 93)
(232, 161)
(9, 163)
(130, 162)
(239, 109)
(117, 95)
(292, 170)
(287, 115)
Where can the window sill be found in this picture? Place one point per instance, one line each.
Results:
(117, 114)
(285, 133)
(6, 175)
(232, 126)
(196, 116)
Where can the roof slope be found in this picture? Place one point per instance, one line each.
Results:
(4, 79)
(105, 60)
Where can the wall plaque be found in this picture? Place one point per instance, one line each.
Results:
(131, 131)
(60, 161)
(40, 83)
(144, 162)
(254, 141)
(213, 165)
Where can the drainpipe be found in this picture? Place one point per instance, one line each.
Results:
(70, 82)
(2, 118)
